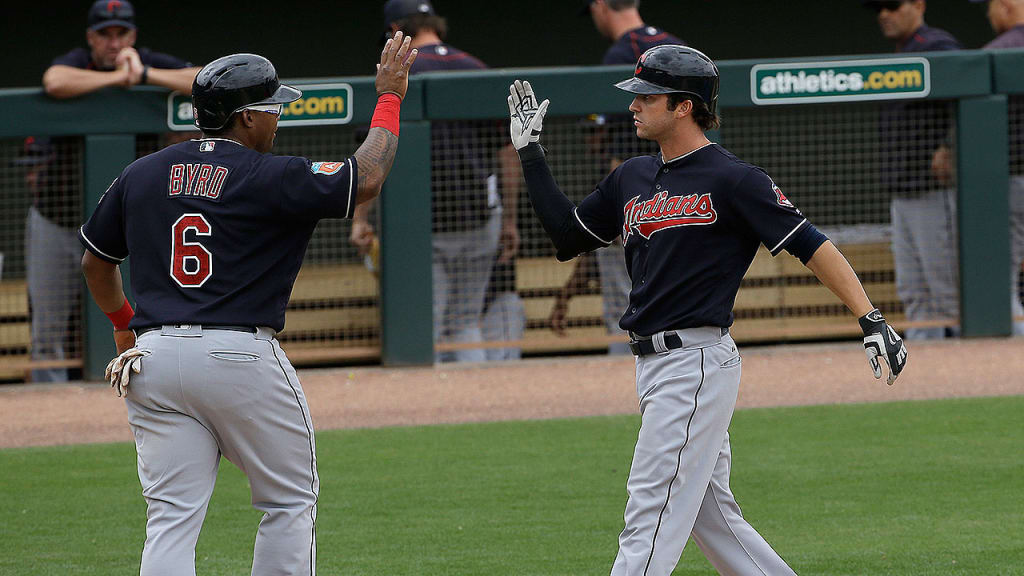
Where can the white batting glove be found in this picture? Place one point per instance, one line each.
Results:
(119, 369)
(880, 340)
(527, 116)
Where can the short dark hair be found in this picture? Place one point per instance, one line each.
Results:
(701, 113)
(413, 24)
(617, 5)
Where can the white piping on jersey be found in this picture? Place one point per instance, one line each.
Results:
(81, 231)
(221, 139)
(663, 161)
(348, 200)
(791, 232)
(599, 239)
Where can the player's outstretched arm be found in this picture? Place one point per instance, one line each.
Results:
(880, 340)
(377, 153)
(555, 211)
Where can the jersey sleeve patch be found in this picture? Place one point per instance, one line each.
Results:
(326, 167)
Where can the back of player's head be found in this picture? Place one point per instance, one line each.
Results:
(231, 83)
(613, 5)
(413, 16)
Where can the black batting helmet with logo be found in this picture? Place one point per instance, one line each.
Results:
(671, 68)
(232, 83)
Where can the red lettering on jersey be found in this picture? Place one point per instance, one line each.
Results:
(662, 212)
(174, 181)
(198, 180)
(203, 178)
(192, 169)
(220, 174)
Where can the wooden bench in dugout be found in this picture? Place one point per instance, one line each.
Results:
(333, 312)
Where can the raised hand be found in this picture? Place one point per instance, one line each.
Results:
(527, 117)
(393, 69)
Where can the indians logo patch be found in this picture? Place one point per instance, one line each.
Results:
(780, 197)
(326, 167)
(663, 212)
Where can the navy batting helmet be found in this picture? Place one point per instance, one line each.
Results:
(671, 68)
(232, 83)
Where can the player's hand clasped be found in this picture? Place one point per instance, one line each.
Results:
(119, 370)
(393, 69)
(880, 340)
(527, 115)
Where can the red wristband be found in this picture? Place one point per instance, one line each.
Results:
(385, 115)
(122, 317)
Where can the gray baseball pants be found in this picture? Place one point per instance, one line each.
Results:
(1016, 249)
(925, 257)
(615, 288)
(207, 393)
(53, 265)
(679, 481)
(462, 263)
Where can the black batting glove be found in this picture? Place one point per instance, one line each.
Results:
(880, 340)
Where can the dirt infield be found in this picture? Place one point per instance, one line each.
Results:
(39, 415)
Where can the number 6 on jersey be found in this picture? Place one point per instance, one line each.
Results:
(191, 262)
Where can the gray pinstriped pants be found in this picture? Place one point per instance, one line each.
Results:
(206, 393)
(679, 481)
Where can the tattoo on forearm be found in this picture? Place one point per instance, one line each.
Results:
(375, 157)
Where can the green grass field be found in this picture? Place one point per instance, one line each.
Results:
(909, 488)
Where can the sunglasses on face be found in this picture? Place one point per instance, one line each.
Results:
(274, 109)
(890, 5)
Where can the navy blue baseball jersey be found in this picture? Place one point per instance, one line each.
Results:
(461, 160)
(628, 48)
(691, 227)
(435, 57)
(911, 130)
(216, 230)
(82, 58)
(928, 39)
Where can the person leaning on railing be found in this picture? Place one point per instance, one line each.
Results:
(112, 59)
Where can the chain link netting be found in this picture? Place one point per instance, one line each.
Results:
(40, 256)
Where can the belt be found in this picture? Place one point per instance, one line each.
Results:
(249, 329)
(644, 345)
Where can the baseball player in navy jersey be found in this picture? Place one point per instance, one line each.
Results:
(472, 224)
(691, 219)
(620, 22)
(923, 208)
(217, 229)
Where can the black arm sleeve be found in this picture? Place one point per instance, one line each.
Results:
(553, 208)
(805, 243)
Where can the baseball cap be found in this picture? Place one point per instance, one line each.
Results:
(395, 10)
(35, 150)
(104, 13)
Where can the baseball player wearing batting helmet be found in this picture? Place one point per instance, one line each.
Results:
(217, 228)
(691, 219)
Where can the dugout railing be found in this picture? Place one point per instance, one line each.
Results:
(828, 156)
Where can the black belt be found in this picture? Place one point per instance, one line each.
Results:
(249, 329)
(644, 345)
